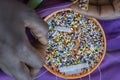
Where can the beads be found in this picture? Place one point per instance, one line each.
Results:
(83, 4)
(73, 39)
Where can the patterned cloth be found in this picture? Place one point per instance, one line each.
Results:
(110, 66)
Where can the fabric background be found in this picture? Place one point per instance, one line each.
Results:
(109, 69)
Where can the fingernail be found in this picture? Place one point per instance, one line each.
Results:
(43, 41)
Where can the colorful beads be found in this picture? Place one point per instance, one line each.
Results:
(74, 39)
(83, 4)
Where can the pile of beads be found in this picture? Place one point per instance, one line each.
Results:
(76, 43)
(83, 4)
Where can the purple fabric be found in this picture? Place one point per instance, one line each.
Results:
(110, 66)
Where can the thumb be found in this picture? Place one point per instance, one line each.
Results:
(38, 28)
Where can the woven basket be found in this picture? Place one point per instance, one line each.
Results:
(77, 75)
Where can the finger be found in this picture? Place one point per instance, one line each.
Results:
(21, 72)
(5, 70)
(116, 4)
(100, 2)
(38, 27)
(13, 66)
(34, 72)
(31, 56)
(18, 70)
(107, 11)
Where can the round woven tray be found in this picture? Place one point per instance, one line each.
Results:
(77, 75)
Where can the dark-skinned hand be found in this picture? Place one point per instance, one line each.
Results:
(17, 57)
(101, 9)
